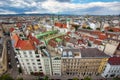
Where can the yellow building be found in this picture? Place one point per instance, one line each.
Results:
(84, 62)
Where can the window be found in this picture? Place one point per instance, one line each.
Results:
(24, 52)
(32, 59)
(27, 60)
(40, 67)
(30, 52)
(39, 63)
(28, 63)
(37, 56)
(38, 59)
(33, 63)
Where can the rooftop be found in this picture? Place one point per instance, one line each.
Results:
(69, 52)
(25, 45)
(92, 52)
(114, 61)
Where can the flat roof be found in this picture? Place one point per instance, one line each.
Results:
(92, 52)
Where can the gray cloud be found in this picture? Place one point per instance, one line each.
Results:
(62, 6)
(64, 0)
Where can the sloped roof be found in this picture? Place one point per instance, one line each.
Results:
(114, 61)
(25, 45)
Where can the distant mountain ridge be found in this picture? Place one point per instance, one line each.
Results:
(44, 14)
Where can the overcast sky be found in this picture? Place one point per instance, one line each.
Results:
(79, 7)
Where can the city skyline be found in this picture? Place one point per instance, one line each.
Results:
(76, 7)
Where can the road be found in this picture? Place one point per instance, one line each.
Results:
(12, 69)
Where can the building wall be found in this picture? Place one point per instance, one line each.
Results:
(110, 49)
(111, 71)
(102, 65)
(82, 66)
(56, 66)
(29, 61)
(46, 64)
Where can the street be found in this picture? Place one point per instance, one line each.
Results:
(12, 63)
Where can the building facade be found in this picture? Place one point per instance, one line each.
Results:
(76, 62)
(112, 68)
(27, 53)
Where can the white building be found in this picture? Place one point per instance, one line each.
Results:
(51, 64)
(27, 53)
(112, 68)
(111, 47)
(93, 26)
(56, 66)
(46, 62)
(29, 61)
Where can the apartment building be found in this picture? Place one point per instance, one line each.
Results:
(111, 46)
(83, 62)
(51, 63)
(46, 62)
(112, 68)
(56, 66)
(27, 52)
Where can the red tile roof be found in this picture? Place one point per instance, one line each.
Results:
(64, 25)
(114, 61)
(67, 38)
(15, 38)
(68, 32)
(52, 43)
(80, 41)
(25, 45)
(91, 38)
(113, 28)
(19, 25)
(60, 25)
(102, 36)
(11, 29)
(98, 42)
(34, 39)
(116, 29)
(96, 32)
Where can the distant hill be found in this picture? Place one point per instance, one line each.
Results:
(45, 14)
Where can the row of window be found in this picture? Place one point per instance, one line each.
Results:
(29, 54)
(83, 67)
(83, 74)
(82, 60)
(114, 71)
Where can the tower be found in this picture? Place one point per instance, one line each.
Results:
(68, 22)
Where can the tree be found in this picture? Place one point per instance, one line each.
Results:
(76, 27)
(20, 78)
(87, 78)
(89, 28)
(116, 78)
(75, 78)
(6, 77)
(89, 44)
(46, 78)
